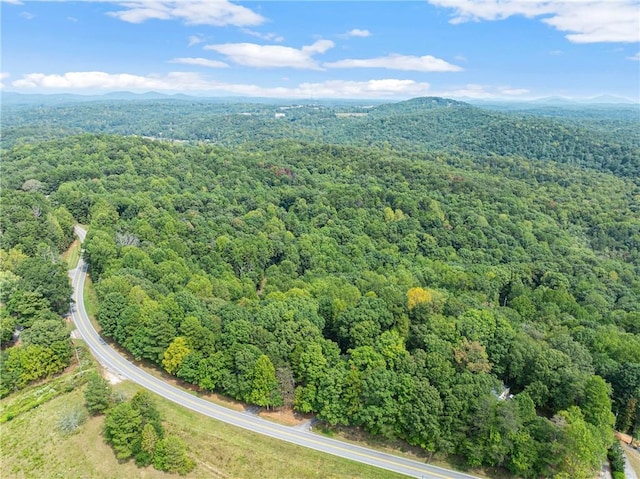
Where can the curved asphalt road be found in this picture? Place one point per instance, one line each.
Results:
(114, 361)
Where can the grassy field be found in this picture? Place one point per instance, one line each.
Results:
(90, 299)
(33, 447)
(72, 255)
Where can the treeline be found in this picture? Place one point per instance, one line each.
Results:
(34, 287)
(396, 292)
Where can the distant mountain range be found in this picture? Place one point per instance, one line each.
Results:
(8, 97)
(15, 98)
(559, 101)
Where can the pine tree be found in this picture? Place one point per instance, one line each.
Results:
(148, 444)
(123, 427)
(97, 394)
(171, 456)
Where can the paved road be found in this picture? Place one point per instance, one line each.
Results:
(117, 363)
(629, 473)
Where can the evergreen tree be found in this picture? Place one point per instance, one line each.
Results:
(97, 394)
(123, 428)
(171, 456)
(148, 443)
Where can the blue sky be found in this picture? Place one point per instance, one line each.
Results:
(515, 49)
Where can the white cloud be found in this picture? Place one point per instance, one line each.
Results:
(467, 10)
(194, 40)
(320, 46)
(556, 52)
(356, 32)
(72, 19)
(105, 81)
(593, 22)
(635, 57)
(270, 37)
(272, 56)
(513, 91)
(12, 2)
(425, 63)
(193, 12)
(586, 21)
(476, 91)
(384, 88)
(467, 91)
(203, 62)
(27, 15)
(194, 82)
(3, 76)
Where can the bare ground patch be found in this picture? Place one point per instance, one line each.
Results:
(284, 416)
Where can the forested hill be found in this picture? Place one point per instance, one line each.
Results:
(609, 143)
(397, 292)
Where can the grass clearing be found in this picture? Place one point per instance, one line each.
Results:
(72, 255)
(90, 299)
(37, 395)
(33, 447)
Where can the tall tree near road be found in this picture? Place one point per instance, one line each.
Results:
(265, 391)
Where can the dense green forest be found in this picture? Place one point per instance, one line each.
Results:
(395, 271)
(34, 287)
